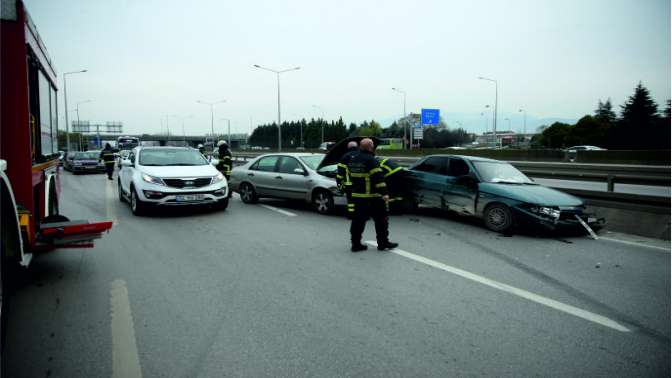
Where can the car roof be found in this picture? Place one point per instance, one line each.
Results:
(295, 154)
(467, 157)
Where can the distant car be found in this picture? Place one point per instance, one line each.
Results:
(170, 176)
(288, 176)
(67, 160)
(87, 161)
(326, 146)
(571, 151)
(61, 157)
(494, 191)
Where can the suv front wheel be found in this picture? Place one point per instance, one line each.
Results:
(138, 207)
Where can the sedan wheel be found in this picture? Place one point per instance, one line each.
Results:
(498, 218)
(247, 193)
(323, 202)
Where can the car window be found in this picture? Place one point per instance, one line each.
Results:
(457, 167)
(288, 164)
(266, 164)
(433, 164)
(313, 160)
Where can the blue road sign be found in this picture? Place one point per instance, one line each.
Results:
(430, 116)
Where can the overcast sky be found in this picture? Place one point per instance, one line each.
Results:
(149, 59)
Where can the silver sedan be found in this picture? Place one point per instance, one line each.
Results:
(288, 176)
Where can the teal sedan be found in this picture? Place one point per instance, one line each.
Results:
(494, 191)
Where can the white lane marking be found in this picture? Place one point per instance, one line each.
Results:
(125, 360)
(284, 212)
(595, 318)
(110, 201)
(636, 244)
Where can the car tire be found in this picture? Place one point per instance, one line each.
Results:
(137, 206)
(247, 193)
(323, 202)
(222, 205)
(121, 192)
(498, 217)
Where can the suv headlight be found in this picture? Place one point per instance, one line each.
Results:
(218, 178)
(152, 179)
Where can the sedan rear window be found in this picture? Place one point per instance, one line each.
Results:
(89, 155)
(164, 157)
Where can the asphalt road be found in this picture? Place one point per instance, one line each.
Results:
(254, 291)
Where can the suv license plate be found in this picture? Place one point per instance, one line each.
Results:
(190, 197)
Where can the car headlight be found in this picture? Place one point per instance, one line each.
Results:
(218, 178)
(548, 211)
(152, 179)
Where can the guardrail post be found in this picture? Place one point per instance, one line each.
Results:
(610, 183)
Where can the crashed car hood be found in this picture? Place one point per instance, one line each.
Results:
(180, 171)
(334, 155)
(534, 194)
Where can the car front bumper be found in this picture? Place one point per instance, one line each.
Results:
(566, 220)
(164, 196)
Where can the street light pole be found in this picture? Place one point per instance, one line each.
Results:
(182, 118)
(77, 110)
(212, 115)
(409, 131)
(277, 73)
(322, 123)
(65, 96)
(494, 123)
(524, 120)
(228, 131)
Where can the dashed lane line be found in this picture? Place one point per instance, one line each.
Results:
(583, 314)
(284, 212)
(636, 244)
(125, 359)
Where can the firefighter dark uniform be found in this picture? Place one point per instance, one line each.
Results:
(392, 174)
(107, 156)
(368, 188)
(343, 181)
(225, 164)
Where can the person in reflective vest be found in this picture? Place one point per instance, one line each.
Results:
(393, 175)
(343, 181)
(107, 156)
(225, 164)
(369, 197)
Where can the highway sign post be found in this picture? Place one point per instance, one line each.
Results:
(429, 117)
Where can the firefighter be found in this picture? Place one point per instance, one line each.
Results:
(107, 155)
(343, 181)
(201, 149)
(369, 197)
(393, 174)
(225, 163)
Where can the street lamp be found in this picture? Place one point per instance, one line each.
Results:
(77, 111)
(404, 93)
(228, 132)
(277, 73)
(212, 114)
(322, 123)
(486, 124)
(65, 95)
(494, 114)
(524, 120)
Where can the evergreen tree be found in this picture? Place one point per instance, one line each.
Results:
(639, 110)
(604, 112)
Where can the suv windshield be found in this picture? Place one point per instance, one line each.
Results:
(163, 157)
(500, 172)
(88, 155)
(312, 161)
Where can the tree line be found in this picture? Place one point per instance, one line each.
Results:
(639, 126)
(266, 135)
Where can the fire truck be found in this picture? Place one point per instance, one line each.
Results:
(30, 220)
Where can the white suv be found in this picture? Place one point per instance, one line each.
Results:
(170, 176)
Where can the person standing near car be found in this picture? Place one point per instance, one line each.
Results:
(343, 181)
(107, 156)
(369, 197)
(225, 164)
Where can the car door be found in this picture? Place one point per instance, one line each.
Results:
(126, 172)
(289, 182)
(428, 180)
(262, 175)
(461, 189)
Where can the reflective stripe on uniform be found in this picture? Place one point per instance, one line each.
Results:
(366, 195)
(381, 185)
